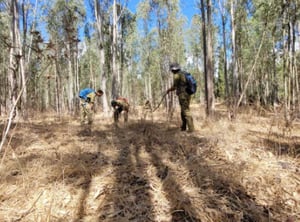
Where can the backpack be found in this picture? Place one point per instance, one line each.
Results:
(191, 82)
(84, 92)
(123, 99)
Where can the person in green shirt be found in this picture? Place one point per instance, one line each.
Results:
(179, 84)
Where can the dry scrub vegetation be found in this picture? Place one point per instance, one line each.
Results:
(52, 169)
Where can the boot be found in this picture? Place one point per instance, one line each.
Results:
(190, 124)
(183, 128)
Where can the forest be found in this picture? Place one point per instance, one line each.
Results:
(241, 164)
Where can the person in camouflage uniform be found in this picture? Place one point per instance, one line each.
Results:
(120, 105)
(147, 110)
(87, 100)
(184, 98)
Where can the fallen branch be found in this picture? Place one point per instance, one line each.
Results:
(13, 108)
(10, 118)
(160, 102)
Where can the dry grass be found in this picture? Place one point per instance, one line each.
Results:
(246, 170)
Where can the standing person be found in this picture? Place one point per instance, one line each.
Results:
(120, 105)
(184, 98)
(88, 97)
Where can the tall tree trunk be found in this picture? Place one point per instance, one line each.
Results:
(103, 72)
(70, 90)
(77, 83)
(22, 45)
(27, 59)
(286, 66)
(205, 49)
(14, 58)
(296, 71)
(149, 86)
(210, 66)
(293, 69)
(58, 87)
(275, 98)
(223, 14)
(115, 71)
(235, 86)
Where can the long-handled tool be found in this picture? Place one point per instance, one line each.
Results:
(160, 102)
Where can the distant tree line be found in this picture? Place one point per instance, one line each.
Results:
(241, 52)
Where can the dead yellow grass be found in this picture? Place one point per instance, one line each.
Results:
(243, 170)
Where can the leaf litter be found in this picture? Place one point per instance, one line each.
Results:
(147, 170)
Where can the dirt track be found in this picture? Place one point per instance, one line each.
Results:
(56, 170)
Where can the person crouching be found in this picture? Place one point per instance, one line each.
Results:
(120, 105)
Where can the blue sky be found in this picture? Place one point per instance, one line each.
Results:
(188, 7)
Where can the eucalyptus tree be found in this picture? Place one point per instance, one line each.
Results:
(206, 14)
(219, 80)
(148, 66)
(10, 14)
(223, 12)
(128, 53)
(101, 14)
(290, 25)
(210, 65)
(246, 45)
(16, 48)
(4, 49)
(265, 52)
(114, 47)
(148, 53)
(234, 21)
(15, 68)
(168, 22)
(89, 68)
(114, 25)
(16, 20)
(195, 53)
(117, 12)
(131, 84)
(63, 20)
(262, 88)
(283, 79)
(170, 33)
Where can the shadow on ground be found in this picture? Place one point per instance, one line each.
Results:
(279, 143)
(130, 198)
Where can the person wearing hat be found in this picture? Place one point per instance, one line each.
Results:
(179, 84)
(120, 105)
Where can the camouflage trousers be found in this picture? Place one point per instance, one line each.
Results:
(186, 116)
(86, 112)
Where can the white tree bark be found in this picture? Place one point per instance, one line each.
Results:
(103, 74)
